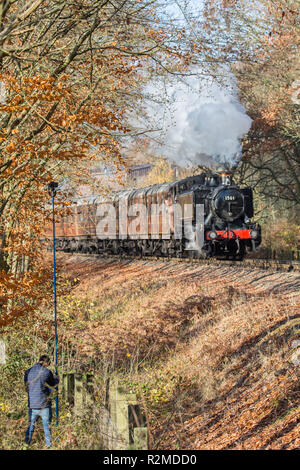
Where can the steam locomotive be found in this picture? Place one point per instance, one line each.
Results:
(165, 220)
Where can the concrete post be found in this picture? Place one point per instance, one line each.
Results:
(123, 407)
(121, 429)
(119, 414)
(2, 353)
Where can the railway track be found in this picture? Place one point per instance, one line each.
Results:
(266, 264)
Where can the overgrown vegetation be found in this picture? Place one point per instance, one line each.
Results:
(210, 362)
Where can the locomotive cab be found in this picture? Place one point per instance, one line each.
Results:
(227, 211)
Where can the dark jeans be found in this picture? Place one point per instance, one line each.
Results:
(46, 416)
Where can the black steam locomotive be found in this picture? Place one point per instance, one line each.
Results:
(228, 230)
(164, 220)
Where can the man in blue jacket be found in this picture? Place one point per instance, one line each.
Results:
(38, 380)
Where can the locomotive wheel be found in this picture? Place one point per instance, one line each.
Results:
(240, 256)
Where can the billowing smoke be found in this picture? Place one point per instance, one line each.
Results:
(207, 124)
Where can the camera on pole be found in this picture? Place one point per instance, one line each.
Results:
(52, 188)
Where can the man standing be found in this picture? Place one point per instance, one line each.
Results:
(37, 381)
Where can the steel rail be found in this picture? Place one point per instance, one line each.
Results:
(266, 264)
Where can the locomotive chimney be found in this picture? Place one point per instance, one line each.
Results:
(226, 178)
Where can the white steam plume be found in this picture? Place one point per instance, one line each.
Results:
(207, 124)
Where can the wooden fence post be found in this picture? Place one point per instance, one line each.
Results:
(77, 390)
(89, 389)
(68, 387)
(78, 394)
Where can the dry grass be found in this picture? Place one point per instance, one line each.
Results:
(210, 346)
(207, 350)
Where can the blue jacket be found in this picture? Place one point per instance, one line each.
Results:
(35, 380)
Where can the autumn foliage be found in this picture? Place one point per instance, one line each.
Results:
(71, 75)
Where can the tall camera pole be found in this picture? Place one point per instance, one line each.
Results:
(52, 191)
